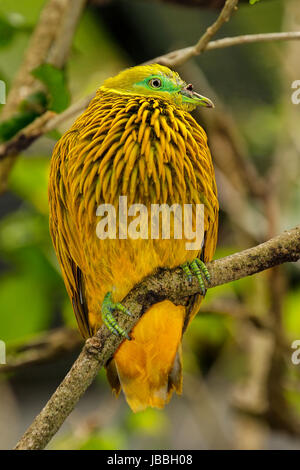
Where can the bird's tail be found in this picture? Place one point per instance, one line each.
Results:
(148, 367)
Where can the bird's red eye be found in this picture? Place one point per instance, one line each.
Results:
(155, 82)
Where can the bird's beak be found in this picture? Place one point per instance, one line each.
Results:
(190, 96)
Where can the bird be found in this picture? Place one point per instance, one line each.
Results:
(136, 140)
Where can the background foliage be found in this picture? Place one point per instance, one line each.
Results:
(241, 389)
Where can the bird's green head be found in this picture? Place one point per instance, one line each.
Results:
(159, 82)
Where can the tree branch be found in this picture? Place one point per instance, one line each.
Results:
(178, 57)
(36, 53)
(164, 284)
(10, 149)
(40, 126)
(41, 349)
(50, 121)
(51, 43)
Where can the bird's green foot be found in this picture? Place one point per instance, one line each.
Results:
(197, 268)
(107, 308)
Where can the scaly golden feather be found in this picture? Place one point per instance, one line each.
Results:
(149, 148)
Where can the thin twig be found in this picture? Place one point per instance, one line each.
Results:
(24, 138)
(61, 47)
(44, 348)
(36, 53)
(10, 149)
(40, 126)
(178, 57)
(50, 42)
(252, 38)
(164, 284)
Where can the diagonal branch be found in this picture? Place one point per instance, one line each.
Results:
(178, 57)
(225, 15)
(162, 285)
(51, 43)
(40, 126)
(44, 348)
(10, 149)
(50, 121)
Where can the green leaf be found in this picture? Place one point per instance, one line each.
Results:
(149, 422)
(106, 440)
(291, 314)
(37, 102)
(22, 228)
(211, 329)
(12, 126)
(68, 313)
(109, 439)
(6, 32)
(24, 307)
(55, 81)
(252, 2)
(29, 179)
(54, 135)
(30, 108)
(30, 286)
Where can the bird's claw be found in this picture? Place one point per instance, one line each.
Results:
(108, 306)
(197, 268)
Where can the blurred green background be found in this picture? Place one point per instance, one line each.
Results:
(241, 389)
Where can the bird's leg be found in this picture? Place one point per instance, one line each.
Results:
(107, 308)
(197, 268)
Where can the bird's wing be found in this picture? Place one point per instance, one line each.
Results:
(208, 195)
(63, 232)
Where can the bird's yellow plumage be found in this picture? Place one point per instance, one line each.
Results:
(136, 139)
